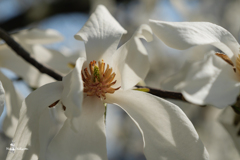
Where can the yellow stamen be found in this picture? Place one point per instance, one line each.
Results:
(238, 63)
(99, 81)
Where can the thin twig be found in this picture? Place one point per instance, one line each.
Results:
(27, 57)
(164, 94)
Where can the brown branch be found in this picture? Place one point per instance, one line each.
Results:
(164, 94)
(27, 57)
(236, 106)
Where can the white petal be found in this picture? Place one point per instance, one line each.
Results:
(88, 141)
(101, 35)
(72, 95)
(211, 81)
(37, 36)
(2, 98)
(183, 35)
(231, 122)
(13, 104)
(28, 133)
(166, 130)
(132, 58)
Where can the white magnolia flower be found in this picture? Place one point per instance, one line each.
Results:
(31, 40)
(167, 132)
(205, 78)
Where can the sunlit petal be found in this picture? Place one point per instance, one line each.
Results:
(101, 35)
(183, 35)
(167, 132)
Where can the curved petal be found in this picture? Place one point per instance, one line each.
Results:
(2, 98)
(72, 95)
(176, 81)
(38, 36)
(211, 81)
(183, 35)
(13, 104)
(88, 141)
(28, 133)
(166, 130)
(101, 35)
(231, 122)
(131, 59)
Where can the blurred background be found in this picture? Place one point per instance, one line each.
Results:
(124, 141)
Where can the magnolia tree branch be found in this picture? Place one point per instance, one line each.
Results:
(26, 56)
(236, 106)
(163, 93)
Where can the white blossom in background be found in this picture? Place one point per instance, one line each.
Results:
(31, 40)
(205, 78)
(13, 103)
(2, 98)
(60, 61)
(167, 132)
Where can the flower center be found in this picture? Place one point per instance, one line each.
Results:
(99, 81)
